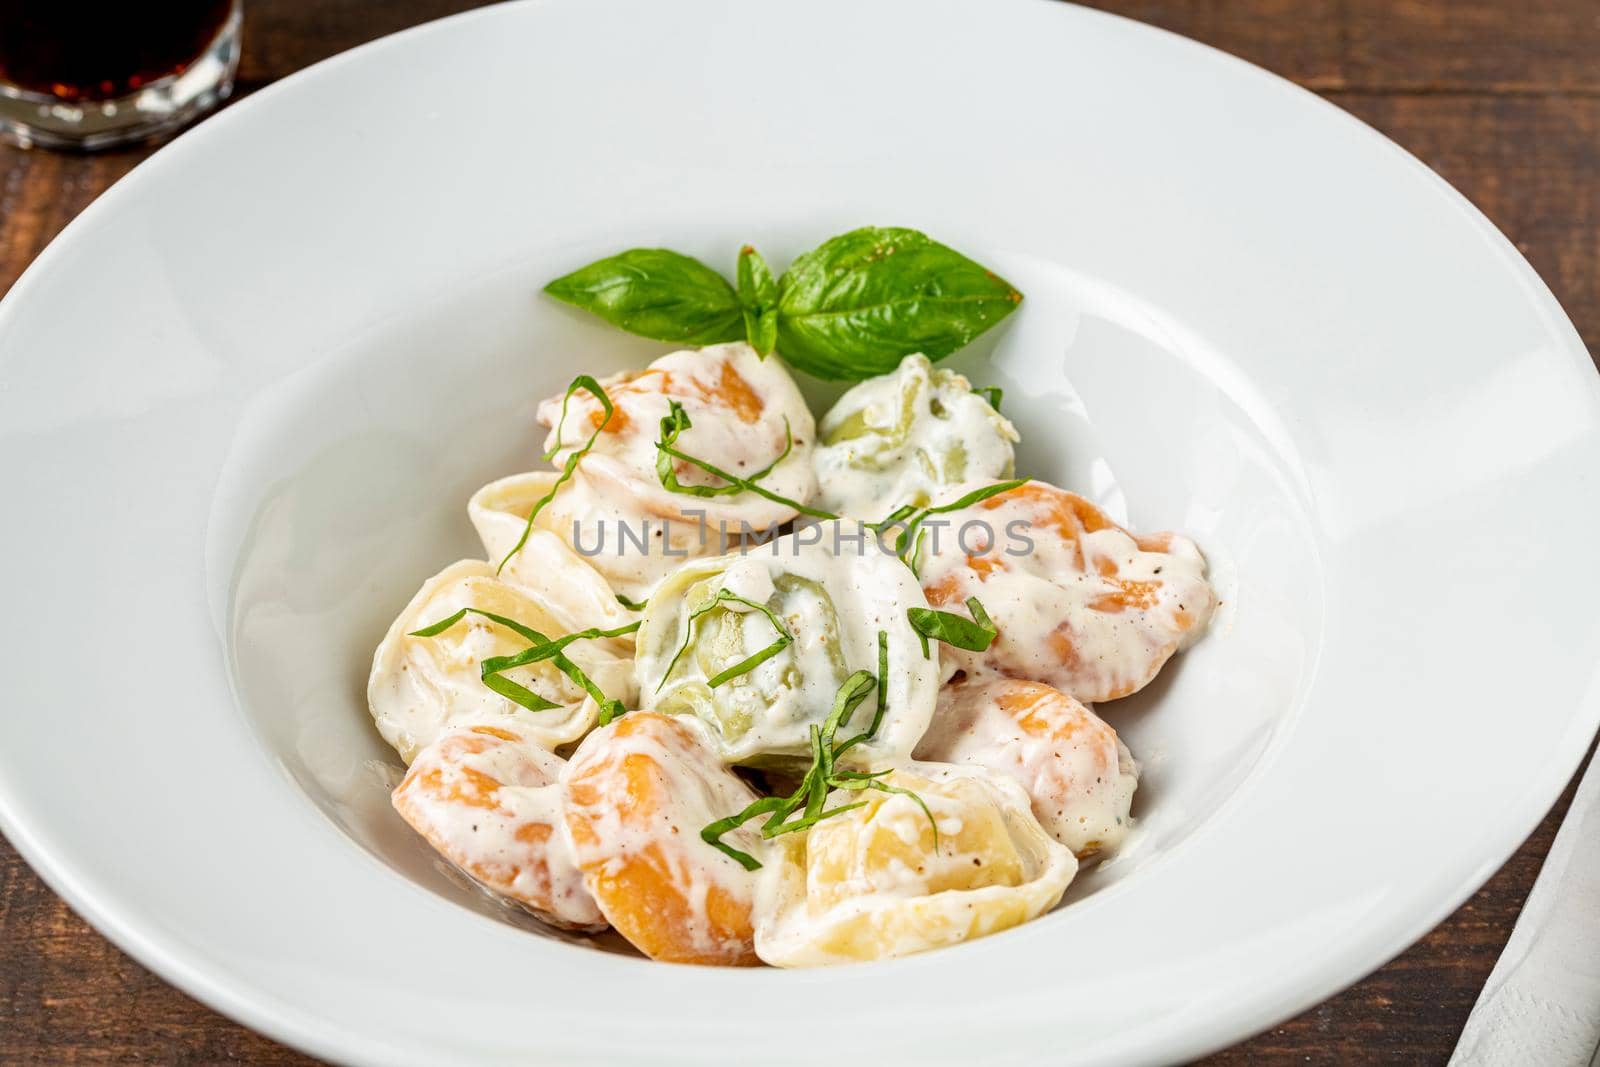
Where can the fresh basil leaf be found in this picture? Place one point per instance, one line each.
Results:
(758, 295)
(658, 294)
(853, 307)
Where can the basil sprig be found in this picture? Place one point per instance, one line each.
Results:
(810, 797)
(849, 309)
(975, 634)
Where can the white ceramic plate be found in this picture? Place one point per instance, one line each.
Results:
(244, 398)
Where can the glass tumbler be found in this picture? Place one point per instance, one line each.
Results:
(90, 74)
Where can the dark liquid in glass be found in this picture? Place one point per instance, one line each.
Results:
(104, 50)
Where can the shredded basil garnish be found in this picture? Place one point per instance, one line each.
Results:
(975, 634)
(744, 666)
(592, 387)
(910, 519)
(672, 426)
(810, 796)
(991, 394)
(492, 670)
(883, 699)
(632, 605)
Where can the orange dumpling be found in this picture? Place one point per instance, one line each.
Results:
(636, 795)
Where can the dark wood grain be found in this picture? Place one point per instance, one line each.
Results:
(1502, 97)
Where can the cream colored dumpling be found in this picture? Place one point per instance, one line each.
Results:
(636, 796)
(614, 512)
(872, 883)
(487, 798)
(1077, 773)
(1080, 603)
(743, 410)
(420, 686)
(832, 590)
(632, 547)
(569, 558)
(903, 437)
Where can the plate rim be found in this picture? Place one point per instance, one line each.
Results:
(237, 998)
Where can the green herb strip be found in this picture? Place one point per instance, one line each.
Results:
(749, 663)
(592, 387)
(910, 519)
(672, 426)
(552, 650)
(713, 833)
(992, 394)
(492, 670)
(810, 797)
(974, 635)
(632, 605)
(883, 699)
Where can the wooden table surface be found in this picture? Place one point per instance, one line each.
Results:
(1501, 97)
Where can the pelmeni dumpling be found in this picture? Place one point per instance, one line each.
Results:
(632, 547)
(636, 795)
(871, 883)
(487, 799)
(903, 437)
(833, 590)
(746, 416)
(1080, 603)
(420, 686)
(1077, 773)
(743, 410)
(557, 560)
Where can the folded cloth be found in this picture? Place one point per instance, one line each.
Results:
(1541, 1004)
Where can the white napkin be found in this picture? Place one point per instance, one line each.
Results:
(1542, 1003)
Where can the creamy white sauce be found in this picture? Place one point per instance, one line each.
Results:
(420, 686)
(1080, 604)
(1079, 776)
(835, 591)
(486, 797)
(903, 437)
